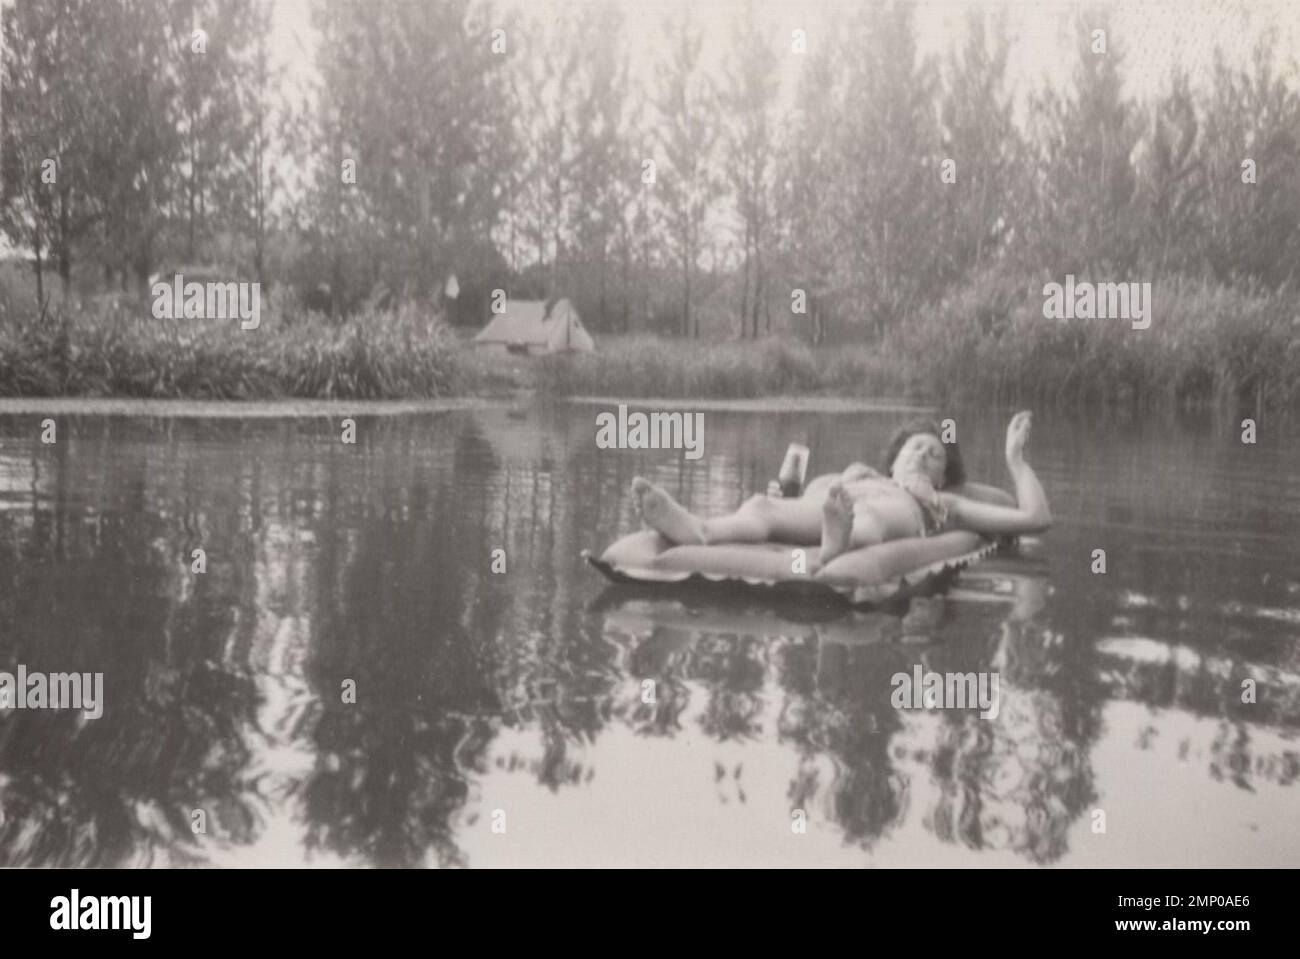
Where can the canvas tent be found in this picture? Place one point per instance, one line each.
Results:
(528, 326)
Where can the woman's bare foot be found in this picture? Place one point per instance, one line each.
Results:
(663, 513)
(837, 522)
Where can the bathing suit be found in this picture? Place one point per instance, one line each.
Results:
(933, 515)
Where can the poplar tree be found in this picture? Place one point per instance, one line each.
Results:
(747, 102)
(886, 168)
(1086, 219)
(807, 188)
(989, 175)
(687, 136)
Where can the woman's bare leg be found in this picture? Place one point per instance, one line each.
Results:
(846, 525)
(832, 520)
(817, 487)
(837, 522)
(661, 512)
(759, 519)
(768, 518)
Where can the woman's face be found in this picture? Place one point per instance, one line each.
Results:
(923, 454)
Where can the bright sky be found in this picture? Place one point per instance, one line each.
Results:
(1153, 34)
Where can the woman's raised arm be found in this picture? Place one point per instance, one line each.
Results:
(1029, 515)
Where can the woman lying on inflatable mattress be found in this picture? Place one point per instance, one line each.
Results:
(925, 493)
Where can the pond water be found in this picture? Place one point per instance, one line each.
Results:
(499, 717)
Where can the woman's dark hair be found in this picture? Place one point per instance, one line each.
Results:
(954, 473)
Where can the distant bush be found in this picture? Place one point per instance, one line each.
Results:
(648, 366)
(378, 355)
(1208, 345)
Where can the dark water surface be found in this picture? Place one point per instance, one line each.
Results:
(515, 698)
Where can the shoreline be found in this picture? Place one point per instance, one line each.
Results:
(303, 408)
(289, 408)
(237, 409)
(810, 403)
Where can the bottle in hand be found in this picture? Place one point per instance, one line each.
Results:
(793, 470)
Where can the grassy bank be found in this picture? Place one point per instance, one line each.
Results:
(376, 356)
(1207, 346)
(647, 366)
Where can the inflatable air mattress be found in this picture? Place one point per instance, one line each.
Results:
(865, 576)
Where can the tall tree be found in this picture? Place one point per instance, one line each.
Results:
(411, 108)
(1171, 181)
(808, 187)
(887, 166)
(138, 151)
(748, 100)
(55, 127)
(984, 145)
(212, 72)
(638, 240)
(603, 171)
(546, 117)
(687, 137)
(252, 203)
(1086, 218)
(1253, 114)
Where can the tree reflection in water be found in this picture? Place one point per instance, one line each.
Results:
(390, 772)
(326, 564)
(837, 714)
(1019, 782)
(1015, 782)
(106, 589)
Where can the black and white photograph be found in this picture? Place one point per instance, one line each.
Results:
(650, 434)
